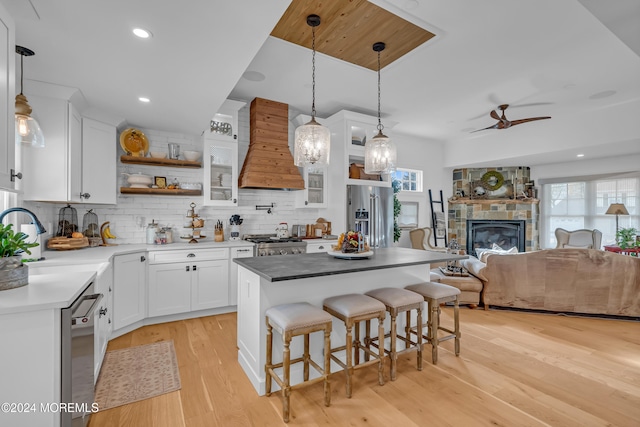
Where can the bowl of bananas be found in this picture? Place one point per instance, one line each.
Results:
(105, 233)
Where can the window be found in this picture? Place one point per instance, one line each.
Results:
(411, 179)
(583, 203)
(408, 217)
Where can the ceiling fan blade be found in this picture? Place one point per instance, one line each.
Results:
(496, 126)
(531, 119)
(494, 115)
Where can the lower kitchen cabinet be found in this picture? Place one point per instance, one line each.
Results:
(129, 289)
(320, 245)
(104, 323)
(188, 280)
(245, 252)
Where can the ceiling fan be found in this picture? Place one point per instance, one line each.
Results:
(504, 123)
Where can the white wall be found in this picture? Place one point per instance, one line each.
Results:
(418, 153)
(582, 167)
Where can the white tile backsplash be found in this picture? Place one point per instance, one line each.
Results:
(126, 216)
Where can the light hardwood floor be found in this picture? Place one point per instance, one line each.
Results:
(515, 369)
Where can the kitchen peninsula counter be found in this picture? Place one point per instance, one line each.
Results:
(264, 282)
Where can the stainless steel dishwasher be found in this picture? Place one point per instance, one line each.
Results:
(77, 360)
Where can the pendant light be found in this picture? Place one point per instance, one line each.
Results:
(312, 140)
(379, 152)
(28, 130)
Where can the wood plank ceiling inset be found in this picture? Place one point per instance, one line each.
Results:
(348, 30)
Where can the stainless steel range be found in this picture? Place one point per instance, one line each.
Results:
(269, 244)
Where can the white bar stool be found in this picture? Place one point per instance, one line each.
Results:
(291, 320)
(353, 309)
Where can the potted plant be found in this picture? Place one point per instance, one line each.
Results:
(626, 238)
(13, 273)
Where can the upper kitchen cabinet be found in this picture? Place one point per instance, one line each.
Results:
(314, 194)
(351, 131)
(98, 162)
(7, 95)
(53, 172)
(220, 158)
(78, 161)
(224, 124)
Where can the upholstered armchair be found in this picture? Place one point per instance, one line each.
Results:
(585, 239)
(420, 239)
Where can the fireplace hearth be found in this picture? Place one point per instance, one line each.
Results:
(483, 234)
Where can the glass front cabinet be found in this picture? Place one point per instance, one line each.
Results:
(220, 162)
(314, 194)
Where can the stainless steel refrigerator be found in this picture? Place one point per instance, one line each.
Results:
(370, 211)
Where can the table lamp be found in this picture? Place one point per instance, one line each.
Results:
(617, 209)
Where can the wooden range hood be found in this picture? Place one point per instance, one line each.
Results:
(269, 162)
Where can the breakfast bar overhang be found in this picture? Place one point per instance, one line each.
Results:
(264, 282)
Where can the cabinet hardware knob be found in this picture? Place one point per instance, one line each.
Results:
(102, 312)
(109, 321)
(235, 200)
(85, 195)
(15, 175)
(306, 202)
(142, 258)
(320, 247)
(191, 255)
(195, 268)
(187, 268)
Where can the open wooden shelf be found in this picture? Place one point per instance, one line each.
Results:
(151, 161)
(160, 191)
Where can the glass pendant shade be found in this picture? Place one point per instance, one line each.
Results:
(28, 132)
(312, 144)
(312, 140)
(380, 155)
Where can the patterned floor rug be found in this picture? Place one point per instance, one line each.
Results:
(137, 373)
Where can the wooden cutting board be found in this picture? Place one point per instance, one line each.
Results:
(67, 243)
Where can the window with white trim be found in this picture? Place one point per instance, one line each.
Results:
(410, 179)
(578, 204)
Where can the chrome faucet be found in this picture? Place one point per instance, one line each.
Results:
(39, 227)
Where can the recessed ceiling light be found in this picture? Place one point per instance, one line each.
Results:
(580, 155)
(253, 76)
(142, 33)
(143, 99)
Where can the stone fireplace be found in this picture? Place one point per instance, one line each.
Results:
(505, 209)
(497, 211)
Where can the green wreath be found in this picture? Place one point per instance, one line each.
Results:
(487, 178)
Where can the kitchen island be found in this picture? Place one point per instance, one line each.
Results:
(264, 282)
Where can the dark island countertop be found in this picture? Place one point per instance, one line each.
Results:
(291, 267)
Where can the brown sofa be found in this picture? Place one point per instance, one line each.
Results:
(562, 280)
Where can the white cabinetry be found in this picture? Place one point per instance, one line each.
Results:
(314, 194)
(7, 95)
(52, 173)
(245, 252)
(220, 159)
(320, 245)
(188, 280)
(129, 289)
(104, 325)
(98, 162)
(77, 163)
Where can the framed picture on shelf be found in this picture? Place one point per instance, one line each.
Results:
(160, 181)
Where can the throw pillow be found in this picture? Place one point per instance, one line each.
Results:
(489, 252)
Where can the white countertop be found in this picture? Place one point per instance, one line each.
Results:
(51, 288)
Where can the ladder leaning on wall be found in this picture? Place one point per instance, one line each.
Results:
(438, 220)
